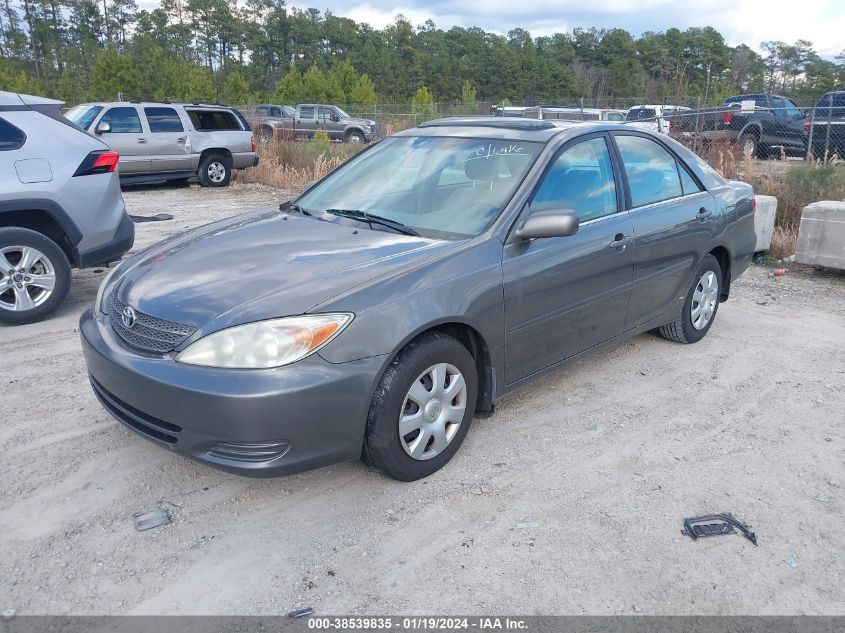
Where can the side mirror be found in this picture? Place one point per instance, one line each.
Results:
(335, 118)
(103, 126)
(549, 223)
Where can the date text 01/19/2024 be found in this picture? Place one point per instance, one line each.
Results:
(416, 623)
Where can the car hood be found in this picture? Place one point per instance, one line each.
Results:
(358, 121)
(262, 265)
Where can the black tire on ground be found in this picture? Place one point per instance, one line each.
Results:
(682, 330)
(10, 240)
(215, 170)
(382, 448)
(354, 136)
(265, 134)
(749, 141)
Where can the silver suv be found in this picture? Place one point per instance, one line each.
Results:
(168, 141)
(60, 206)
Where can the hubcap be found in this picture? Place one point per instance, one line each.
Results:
(704, 300)
(27, 278)
(433, 411)
(216, 172)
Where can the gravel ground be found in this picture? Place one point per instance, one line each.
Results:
(569, 500)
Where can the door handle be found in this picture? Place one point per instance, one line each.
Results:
(620, 242)
(181, 139)
(703, 213)
(142, 141)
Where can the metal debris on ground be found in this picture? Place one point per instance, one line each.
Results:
(300, 613)
(159, 217)
(716, 525)
(791, 561)
(150, 520)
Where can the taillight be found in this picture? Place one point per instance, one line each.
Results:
(252, 140)
(727, 118)
(99, 162)
(753, 204)
(807, 124)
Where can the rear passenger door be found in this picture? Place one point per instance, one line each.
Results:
(170, 148)
(674, 220)
(306, 121)
(126, 136)
(564, 295)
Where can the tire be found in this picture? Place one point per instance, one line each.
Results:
(412, 372)
(265, 134)
(28, 298)
(354, 136)
(215, 170)
(686, 328)
(749, 142)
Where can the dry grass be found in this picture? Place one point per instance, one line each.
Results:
(290, 164)
(784, 240)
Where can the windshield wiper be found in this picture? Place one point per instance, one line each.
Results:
(293, 208)
(369, 218)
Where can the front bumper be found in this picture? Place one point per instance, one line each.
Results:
(259, 423)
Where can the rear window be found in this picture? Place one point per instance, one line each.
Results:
(210, 120)
(10, 136)
(640, 114)
(831, 105)
(163, 120)
(83, 115)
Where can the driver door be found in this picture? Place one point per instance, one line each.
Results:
(127, 137)
(564, 295)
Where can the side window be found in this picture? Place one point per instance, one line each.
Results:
(163, 120)
(652, 170)
(325, 114)
(276, 112)
(210, 120)
(10, 136)
(306, 112)
(123, 120)
(688, 183)
(580, 179)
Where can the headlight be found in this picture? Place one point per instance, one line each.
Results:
(102, 290)
(265, 344)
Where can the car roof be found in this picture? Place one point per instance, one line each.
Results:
(108, 104)
(503, 128)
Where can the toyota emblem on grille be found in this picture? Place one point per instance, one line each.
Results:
(128, 317)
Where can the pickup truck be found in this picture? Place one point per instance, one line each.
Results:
(829, 126)
(271, 120)
(657, 118)
(758, 123)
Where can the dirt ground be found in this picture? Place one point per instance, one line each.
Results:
(569, 500)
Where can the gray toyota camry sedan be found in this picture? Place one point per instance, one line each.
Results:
(405, 293)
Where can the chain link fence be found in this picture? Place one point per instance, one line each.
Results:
(812, 128)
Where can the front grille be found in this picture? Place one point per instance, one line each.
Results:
(137, 420)
(148, 333)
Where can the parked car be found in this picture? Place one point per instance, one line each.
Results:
(829, 125)
(657, 118)
(171, 141)
(60, 206)
(758, 123)
(573, 114)
(340, 126)
(409, 290)
(270, 120)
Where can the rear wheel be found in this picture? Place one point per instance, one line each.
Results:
(215, 171)
(422, 408)
(750, 144)
(34, 276)
(700, 306)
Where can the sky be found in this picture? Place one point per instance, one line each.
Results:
(740, 21)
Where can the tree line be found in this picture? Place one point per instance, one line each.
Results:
(222, 50)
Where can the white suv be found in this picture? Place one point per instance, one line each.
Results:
(60, 206)
(168, 141)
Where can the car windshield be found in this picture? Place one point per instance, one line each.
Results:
(342, 114)
(640, 114)
(442, 187)
(83, 115)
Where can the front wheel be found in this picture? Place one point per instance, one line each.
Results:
(34, 276)
(215, 171)
(700, 306)
(354, 136)
(422, 408)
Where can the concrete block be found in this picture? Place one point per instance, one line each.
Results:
(821, 235)
(764, 221)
